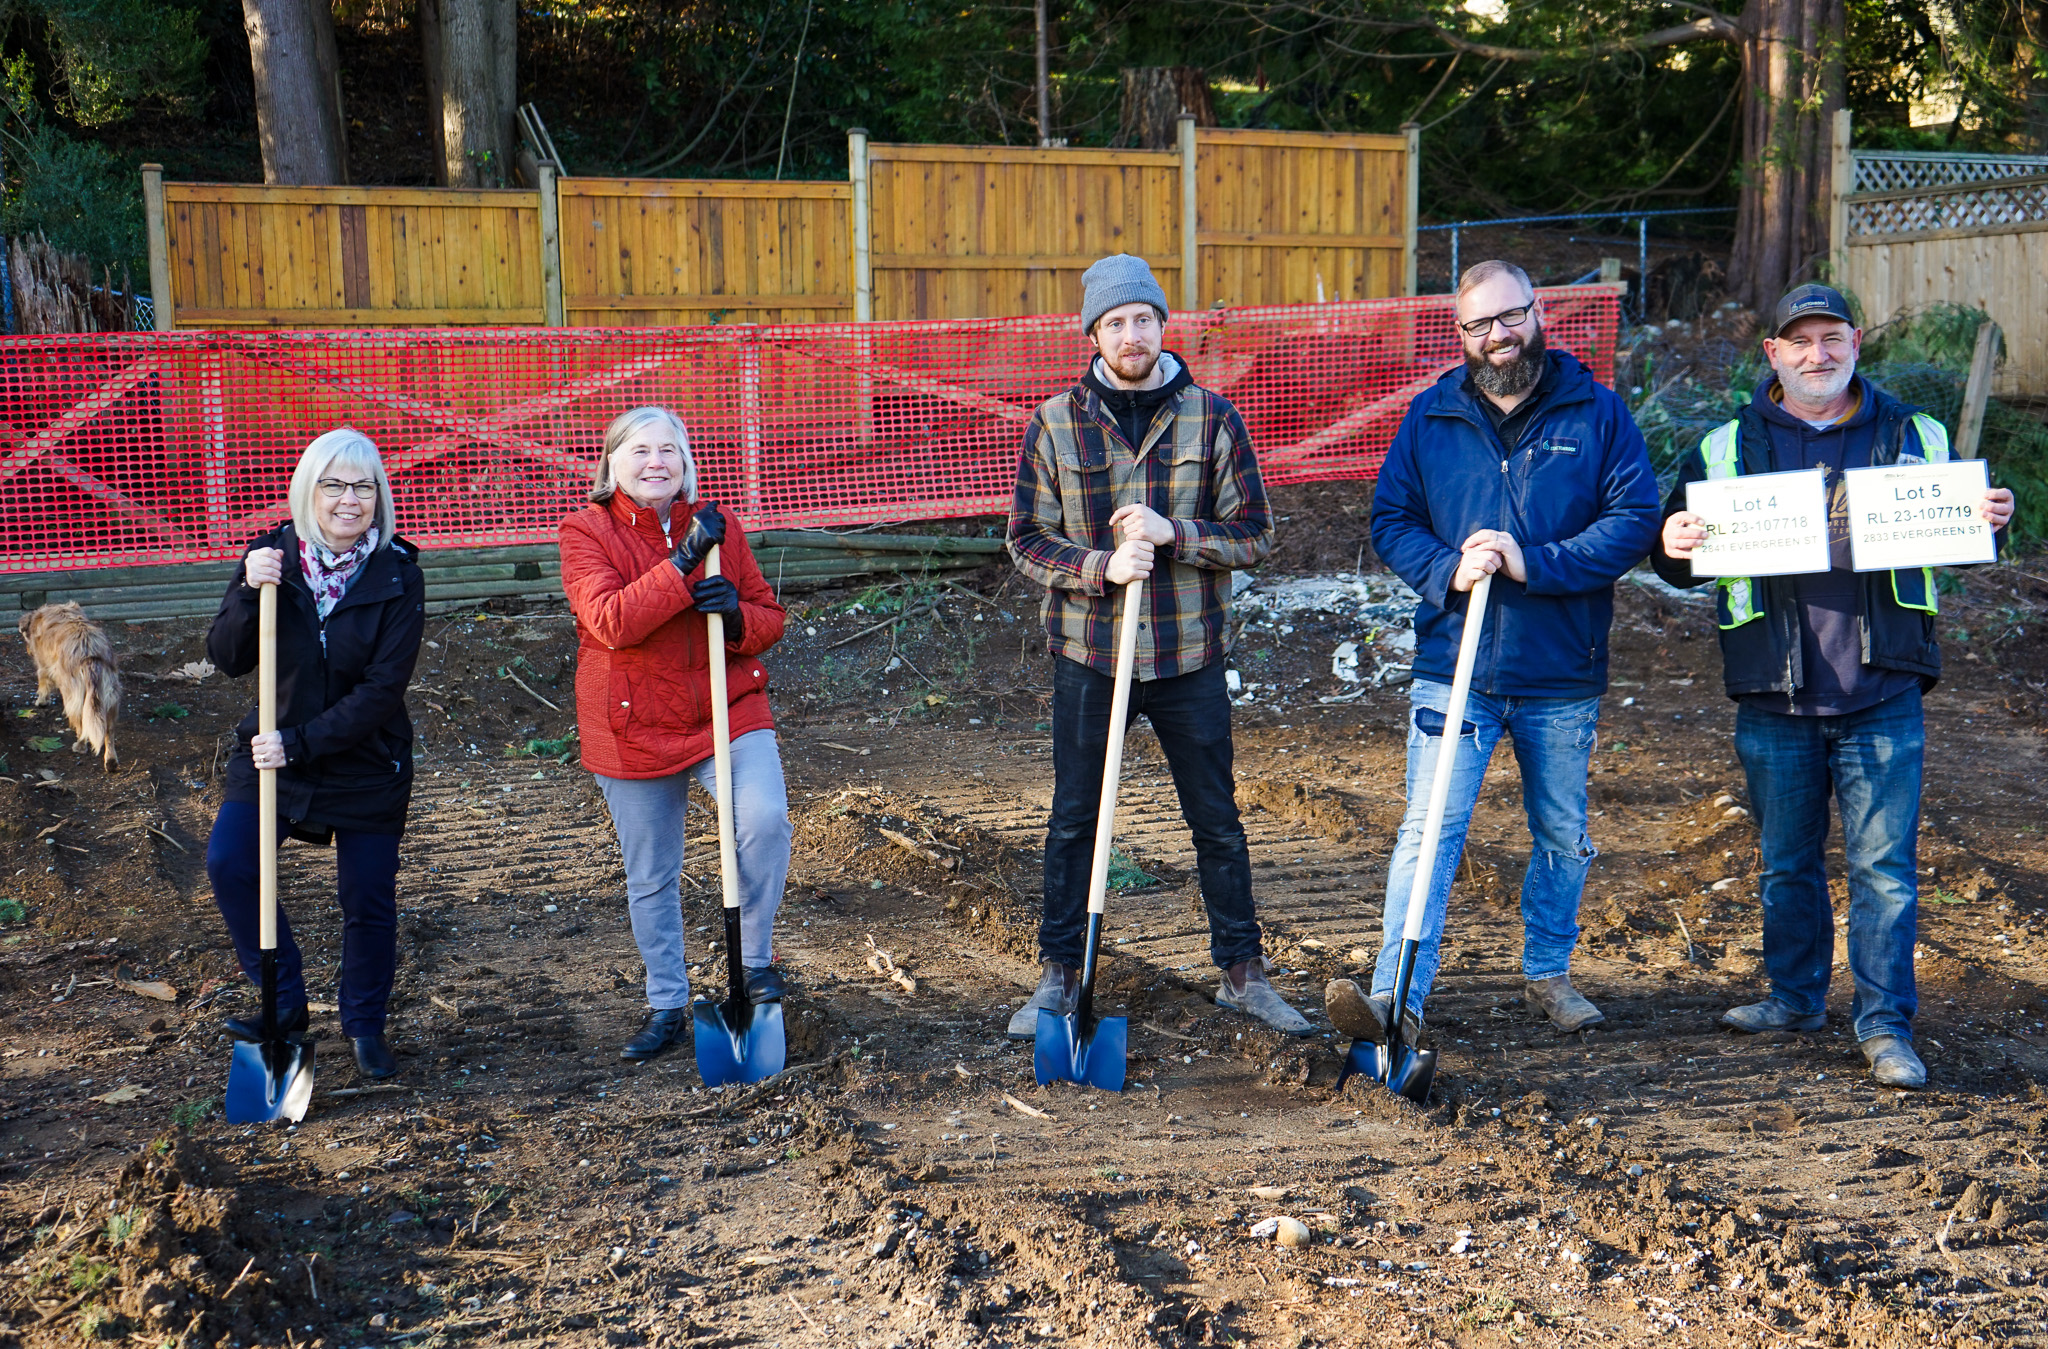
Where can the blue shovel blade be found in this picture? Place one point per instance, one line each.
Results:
(1411, 1075)
(269, 1080)
(1067, 1051)
(746, 1053)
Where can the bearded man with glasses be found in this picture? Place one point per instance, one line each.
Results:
(1523, 466)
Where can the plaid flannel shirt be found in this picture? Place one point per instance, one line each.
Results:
(1196, 468)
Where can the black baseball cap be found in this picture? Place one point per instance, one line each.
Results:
(1810, 301)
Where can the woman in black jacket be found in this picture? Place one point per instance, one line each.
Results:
(350, 608)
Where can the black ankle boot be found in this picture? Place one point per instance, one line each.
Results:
(291, 1025)
(663, 1028)
(764, 984)
(374, 1058)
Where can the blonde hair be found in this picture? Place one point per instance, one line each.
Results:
(350, 450)
(623, 428)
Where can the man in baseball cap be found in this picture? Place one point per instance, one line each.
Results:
(1827, 671)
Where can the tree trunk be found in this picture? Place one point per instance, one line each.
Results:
(472, 59)
(1792, 65)
(298, 108)
(1155, 97)
(52, 290)
(2030, 56)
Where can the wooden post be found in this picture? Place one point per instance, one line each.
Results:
(857, 174)
(1610, 271)
(1190, 219)
(159, 244)
(1841, 182)
(1970, 422)
(1412, 207)
(550, 249)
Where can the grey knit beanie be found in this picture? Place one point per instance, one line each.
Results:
(1118, 279)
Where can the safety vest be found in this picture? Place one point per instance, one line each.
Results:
(1722, 450)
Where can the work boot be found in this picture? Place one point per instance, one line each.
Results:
(374, 1058)
(1771, 1014)
(1567, 1009)
(1059, 989)
(663, 1027)
(1365, 1018)
(764, 984)
(1245, 988)
(291, 1025)
(1893, 1062)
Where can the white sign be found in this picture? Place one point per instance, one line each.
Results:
(1767, 524)
(1918, 515)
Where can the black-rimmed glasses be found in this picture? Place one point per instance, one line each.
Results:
(1507, 318)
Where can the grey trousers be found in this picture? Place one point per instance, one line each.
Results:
(648, 813)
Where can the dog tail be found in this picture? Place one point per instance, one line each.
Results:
(102, 706)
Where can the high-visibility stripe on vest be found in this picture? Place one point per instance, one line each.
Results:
(1722, 450)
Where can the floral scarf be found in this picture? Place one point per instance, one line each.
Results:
(328, 574)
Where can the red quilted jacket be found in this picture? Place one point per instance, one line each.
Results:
(643, 682)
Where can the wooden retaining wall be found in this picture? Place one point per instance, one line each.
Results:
(458, 578)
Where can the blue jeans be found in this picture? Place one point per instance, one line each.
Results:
(648, 815)
(366, 883)
(1190, 714)
(1870, 761)
(1554, 739)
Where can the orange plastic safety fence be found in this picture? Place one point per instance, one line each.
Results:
(120, 449)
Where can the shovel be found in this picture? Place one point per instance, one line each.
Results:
(1408, 1070)
(1077, 1047)
(272, 1078)
(736, 1041)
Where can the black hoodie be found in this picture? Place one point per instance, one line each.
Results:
(1134, 409)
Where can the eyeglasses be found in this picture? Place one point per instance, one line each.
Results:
(1507, 318)
(361, 491)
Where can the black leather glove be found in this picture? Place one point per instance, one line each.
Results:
(707, 527)
(718, 595)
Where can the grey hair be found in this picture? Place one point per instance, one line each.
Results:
(352, 451)
(623, 428)
(1479, 273)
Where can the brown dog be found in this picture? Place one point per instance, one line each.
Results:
(73, 657)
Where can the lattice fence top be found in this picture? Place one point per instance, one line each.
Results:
(1903, 170)
(1966, 206)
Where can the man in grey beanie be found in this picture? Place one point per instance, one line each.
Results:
(1138, 472)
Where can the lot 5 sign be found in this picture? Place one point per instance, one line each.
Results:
(1918, 515)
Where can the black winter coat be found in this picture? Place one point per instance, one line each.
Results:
(340, 691)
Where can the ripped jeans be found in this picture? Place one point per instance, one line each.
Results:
(1554, 739)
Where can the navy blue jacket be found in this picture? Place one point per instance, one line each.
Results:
(1577, 492)
(340, 691)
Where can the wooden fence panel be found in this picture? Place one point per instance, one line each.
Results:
(665, 253)
(343, 257)
(1295, 217)
(1921, 229)
(2003, 272)
(961, 231)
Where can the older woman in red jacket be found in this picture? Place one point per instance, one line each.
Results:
(633, 567)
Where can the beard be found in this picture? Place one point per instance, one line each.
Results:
(1135, 367)
(1515, 377)
(1818, 387)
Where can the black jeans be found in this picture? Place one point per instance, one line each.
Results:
(1190, 714)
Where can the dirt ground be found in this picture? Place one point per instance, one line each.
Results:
(1658, 1179)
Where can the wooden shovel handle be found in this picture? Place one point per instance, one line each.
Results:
(266, 778)
(721, 748)
(1113, 765)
